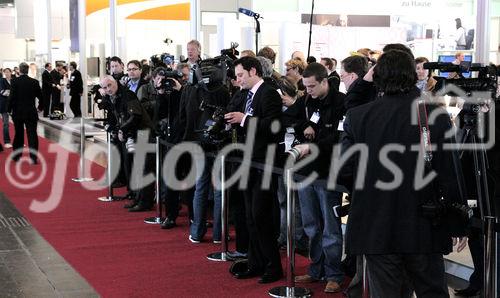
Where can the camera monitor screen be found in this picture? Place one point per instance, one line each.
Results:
(451, 58)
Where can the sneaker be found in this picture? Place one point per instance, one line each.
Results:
(8, 145)
(194, 240)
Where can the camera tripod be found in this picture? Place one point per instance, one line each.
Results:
(489, 219)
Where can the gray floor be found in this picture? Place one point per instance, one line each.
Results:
(29, 265)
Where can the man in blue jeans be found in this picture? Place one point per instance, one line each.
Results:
(324, 108)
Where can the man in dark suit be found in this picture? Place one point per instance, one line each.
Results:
(76, 89)
(21, 105)
(56, 88)
(47, 85)
(333, 76)
(263, 105)
(386, 220)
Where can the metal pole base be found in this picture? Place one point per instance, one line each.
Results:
(110, 199)
(154, 220)
(219, 257)
(79, 180)
(290, 292)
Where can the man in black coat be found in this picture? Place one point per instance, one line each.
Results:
(21, 104)
(126, 119)
(76, 89)
(47, 84)
(56, 88)
(386, 221)
(318, 128)
(263, 105)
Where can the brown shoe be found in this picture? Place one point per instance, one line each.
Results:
(305, 279)
(332, 287)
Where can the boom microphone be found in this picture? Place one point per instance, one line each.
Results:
(249, 13)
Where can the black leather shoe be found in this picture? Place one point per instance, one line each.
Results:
(270, 277)
(168, 224)
(139, 208)
(249, 273)
(467, 292)
(130, 205)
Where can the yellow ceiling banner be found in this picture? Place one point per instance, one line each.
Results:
(96, 5)
(175, 12)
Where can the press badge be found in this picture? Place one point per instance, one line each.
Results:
(315, 117)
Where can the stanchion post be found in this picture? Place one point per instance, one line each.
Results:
(82, 177)
(110, 197)
(157, 219)
(222, 256)
(490, 257)
(290, 290)
(365, 293)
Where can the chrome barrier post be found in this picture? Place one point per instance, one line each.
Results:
(222, 256)
(110, 197)
(157, 219)
(290, 290)
(365, 293)
(490, 257)
(82, 177)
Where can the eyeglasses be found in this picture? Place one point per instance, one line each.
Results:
(132, 69)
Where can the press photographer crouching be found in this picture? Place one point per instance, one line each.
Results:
(126, 118)
(160, 98)
(317, 129)
(391, 219)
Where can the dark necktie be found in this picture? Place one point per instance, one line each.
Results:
(248, 105)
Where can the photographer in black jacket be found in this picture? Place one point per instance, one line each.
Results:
(198, 105)
(387, 222)
(324, 108)
(127, 118)
(161, 100)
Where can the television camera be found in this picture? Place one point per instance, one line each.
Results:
(486, 79)
(211, 73)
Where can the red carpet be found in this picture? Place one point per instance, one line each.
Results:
(115, 251)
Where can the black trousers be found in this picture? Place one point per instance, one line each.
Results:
(74, 104)
(261, 209)
(56, 101)
(19, 125)
(388, 274)
(237, 205)
(146, 194)
(45, 105)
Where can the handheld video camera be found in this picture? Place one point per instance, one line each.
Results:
(164, 60)
(215, 128)
(167, 83)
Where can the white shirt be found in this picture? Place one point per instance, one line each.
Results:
(460, 36)
(253, 90)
